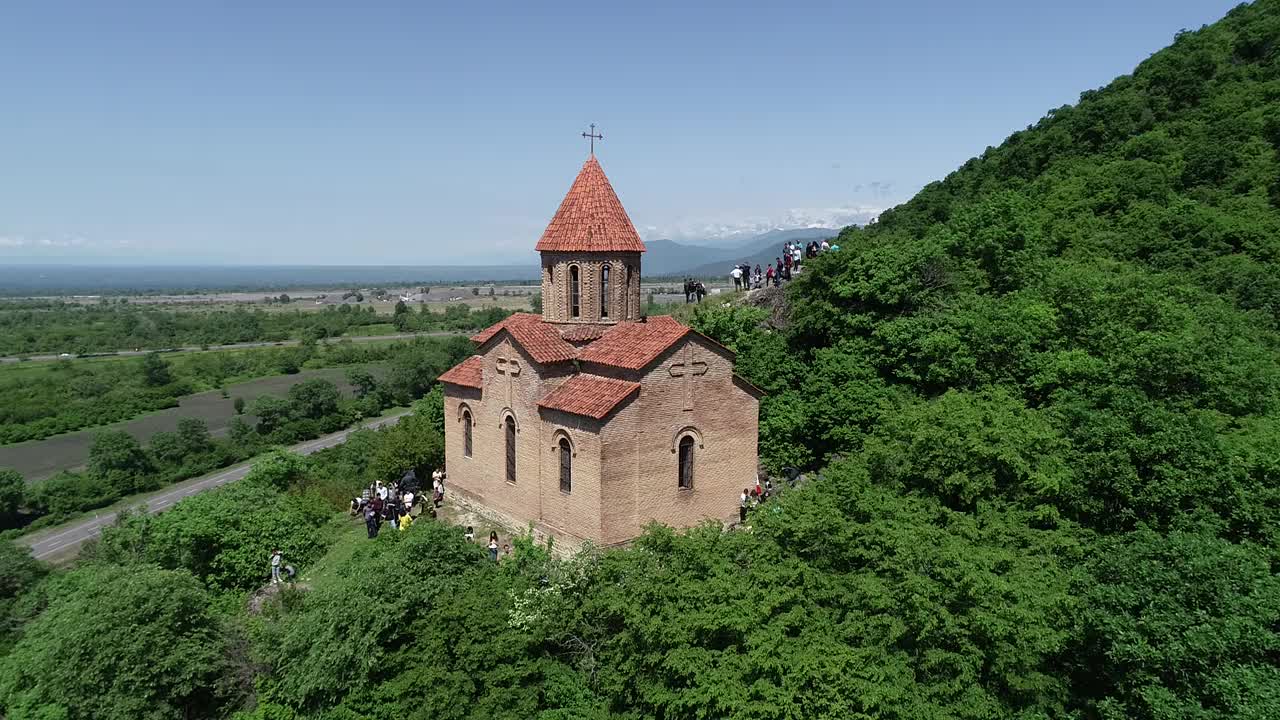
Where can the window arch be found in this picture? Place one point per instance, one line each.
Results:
(466, 433)
(685, 480)
(626, 292)
(604, 290)
(509, 432)
(575, 291)
(566, 465)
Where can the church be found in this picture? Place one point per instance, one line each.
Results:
(590, 420)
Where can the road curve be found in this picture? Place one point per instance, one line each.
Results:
(232, 346)
(65, 540)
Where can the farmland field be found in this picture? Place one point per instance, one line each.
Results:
(40, 459)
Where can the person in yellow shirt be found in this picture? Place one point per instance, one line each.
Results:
(405, 519)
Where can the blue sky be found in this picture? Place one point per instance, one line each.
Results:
(417, 133)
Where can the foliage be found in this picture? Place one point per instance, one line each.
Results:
(137, 642)
(223, 537)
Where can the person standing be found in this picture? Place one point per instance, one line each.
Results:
(744, 502)
(277, 558)
(371, 521)
(405, 519)
(493, 546)
(736, 274)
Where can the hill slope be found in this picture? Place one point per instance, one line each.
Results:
(1075, 336)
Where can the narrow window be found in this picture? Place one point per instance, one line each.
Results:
(566, 466)
(509, 426)
(466, 433)
(626, 293)
(604, 291)
(574, 292)
(686, 462)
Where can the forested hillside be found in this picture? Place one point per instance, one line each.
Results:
(1040, 407)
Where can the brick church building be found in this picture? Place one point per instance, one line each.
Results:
(591, 420)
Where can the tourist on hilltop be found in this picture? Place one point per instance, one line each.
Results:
(277, 558)
(757, 278)
(770, 277)
(405, 519)
(688, 291)
(796, 254)
(786, 266)
(825, 246)
(407, 501)
(736, 274)
(370, 521)
(381, 491)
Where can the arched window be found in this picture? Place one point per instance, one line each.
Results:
(509, 429)
(466, 433)
(604, 291)
(626, 293)
(685, 481)
(575, 292)
(566, 466)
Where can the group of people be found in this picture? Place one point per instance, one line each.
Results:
(492, 546)
(394, 503)
(784, 266)
(753, 496)
(694, 290)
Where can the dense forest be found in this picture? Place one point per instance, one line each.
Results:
(1039, 405)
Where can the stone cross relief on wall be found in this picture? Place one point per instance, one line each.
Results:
(509, 367)
(687, 368)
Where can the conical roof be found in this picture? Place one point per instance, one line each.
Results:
(590, 218)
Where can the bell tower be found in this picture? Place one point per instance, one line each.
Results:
(590, 255)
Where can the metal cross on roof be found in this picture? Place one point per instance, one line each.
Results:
(594, 137)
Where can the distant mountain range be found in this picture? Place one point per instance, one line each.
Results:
(666, 258)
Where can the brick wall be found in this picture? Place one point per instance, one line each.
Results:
(624, 301)
(625, 468)
(641, 464)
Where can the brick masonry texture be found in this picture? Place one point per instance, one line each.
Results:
(625, 465)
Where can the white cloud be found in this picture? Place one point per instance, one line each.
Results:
(728, 226)
(57, 242)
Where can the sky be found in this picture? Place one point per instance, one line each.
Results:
(422, 133)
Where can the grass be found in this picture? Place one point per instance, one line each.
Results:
(371, 330)
(345, 534)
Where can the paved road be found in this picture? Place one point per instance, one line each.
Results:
(65, 540)
(240, 346)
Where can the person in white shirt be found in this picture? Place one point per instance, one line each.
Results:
(736, 274)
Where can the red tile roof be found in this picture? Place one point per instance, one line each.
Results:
(468, 373)
(589, 395)
(633, 345)
(540, 339)
(583, 333)
(590, 218)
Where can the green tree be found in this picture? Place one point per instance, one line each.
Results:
(149, 630)
(238, 405)
(362, 381)
(155, 371)
(315, 398)
(13, 491)
(119, 462)
(272, 412)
